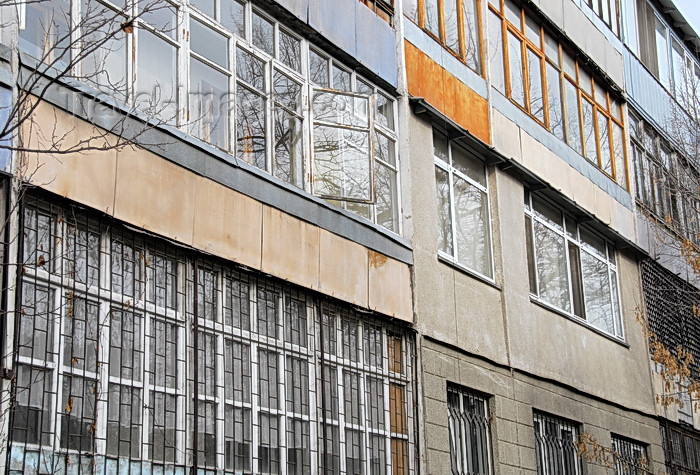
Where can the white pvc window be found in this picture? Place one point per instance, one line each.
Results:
(571, 268)
(464, 228)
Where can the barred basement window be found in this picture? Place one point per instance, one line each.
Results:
(629, 457)
(555, 443)
(470, 442)
(135, 356)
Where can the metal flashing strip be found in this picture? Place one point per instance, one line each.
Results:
(206, 160)
(490, 156)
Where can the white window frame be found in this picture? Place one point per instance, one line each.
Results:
(569, 225)
(452, 171)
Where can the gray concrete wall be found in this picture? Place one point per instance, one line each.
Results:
(514, 396)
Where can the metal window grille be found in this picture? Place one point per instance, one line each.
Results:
(555, 441)
(681, 449)
(629, 457)
(470, 444)
(135, 356)
(670, 303)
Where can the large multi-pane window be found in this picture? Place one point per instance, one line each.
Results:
(629, 457)
(664, 53)
(542, 78)
(571, 268)
(236, 78)
(555, 443)
(666, 183)
(470, 442)
(681, 446)
(464, 228)
(453, 23)
(134, 356)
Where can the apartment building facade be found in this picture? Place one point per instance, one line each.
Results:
(343, 237)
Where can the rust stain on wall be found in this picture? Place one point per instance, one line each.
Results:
(377, 260)
(449, 95)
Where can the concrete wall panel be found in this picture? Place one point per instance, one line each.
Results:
(344, 268)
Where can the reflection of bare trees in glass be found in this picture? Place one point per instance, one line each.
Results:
(551, 267)
(471, 226)
(263, 34)
(288, 131)
(444, 214)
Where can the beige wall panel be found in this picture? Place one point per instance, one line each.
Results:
(506, 136)
(435, 297)
(290, 248)
(479, 318)
(343, 269)
(390, 287)
(227, 223)
(86, 177)
(155, 194)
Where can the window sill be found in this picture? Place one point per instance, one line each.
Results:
(580, 321)
(464, 270)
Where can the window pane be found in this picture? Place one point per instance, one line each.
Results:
(78, 413)
(605, 156)
(82, 255)
(431, 17)
(209, 43)
(662, 52)
(250, 69)
(37, 319)
(589, 132)
(156, 92)
(165, 355)
(468, 165)
(205, 6)
(318, 69)
(535, 83)
(263, 34)
(573, 125)
(289, 148)
(124, 421)
(238, 439)
(237, 304)
(80, 333)
(471, 35)
(237, 371)
(233, 16)
(341, 79)
(385, 186)
(341, 163)
(163, 435)
(556, 118)
(619, 152)
(472, 227)
(208, 114)
(495, 50)
(531, 264)
(104, 67)
(515, 61)
(250, 127)
(125, 349)
(551, 267)
(444, 215)
(290, 50)
(451, 29)
(532, 31)
(268, 308)
(596, 284)
(45, 34)
(32, 409)
(410, 9)
(385, 111)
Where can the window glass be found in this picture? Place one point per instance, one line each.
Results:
(205, 6)
(515, 61)
(449, 8)
(263, 34)
(472, 36)
(162, 16)
(495, 52)
(290, 50)
(573, 124)
(442, 180)
(45, 32)
(555, 444)
(535, 84)
(209, 43)
(318, 69)
(604, 137)
(432, 22)
(208, 117)
(156, 92)
(575, 270)
(233, 16)
(554, 100)
(660, 33)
